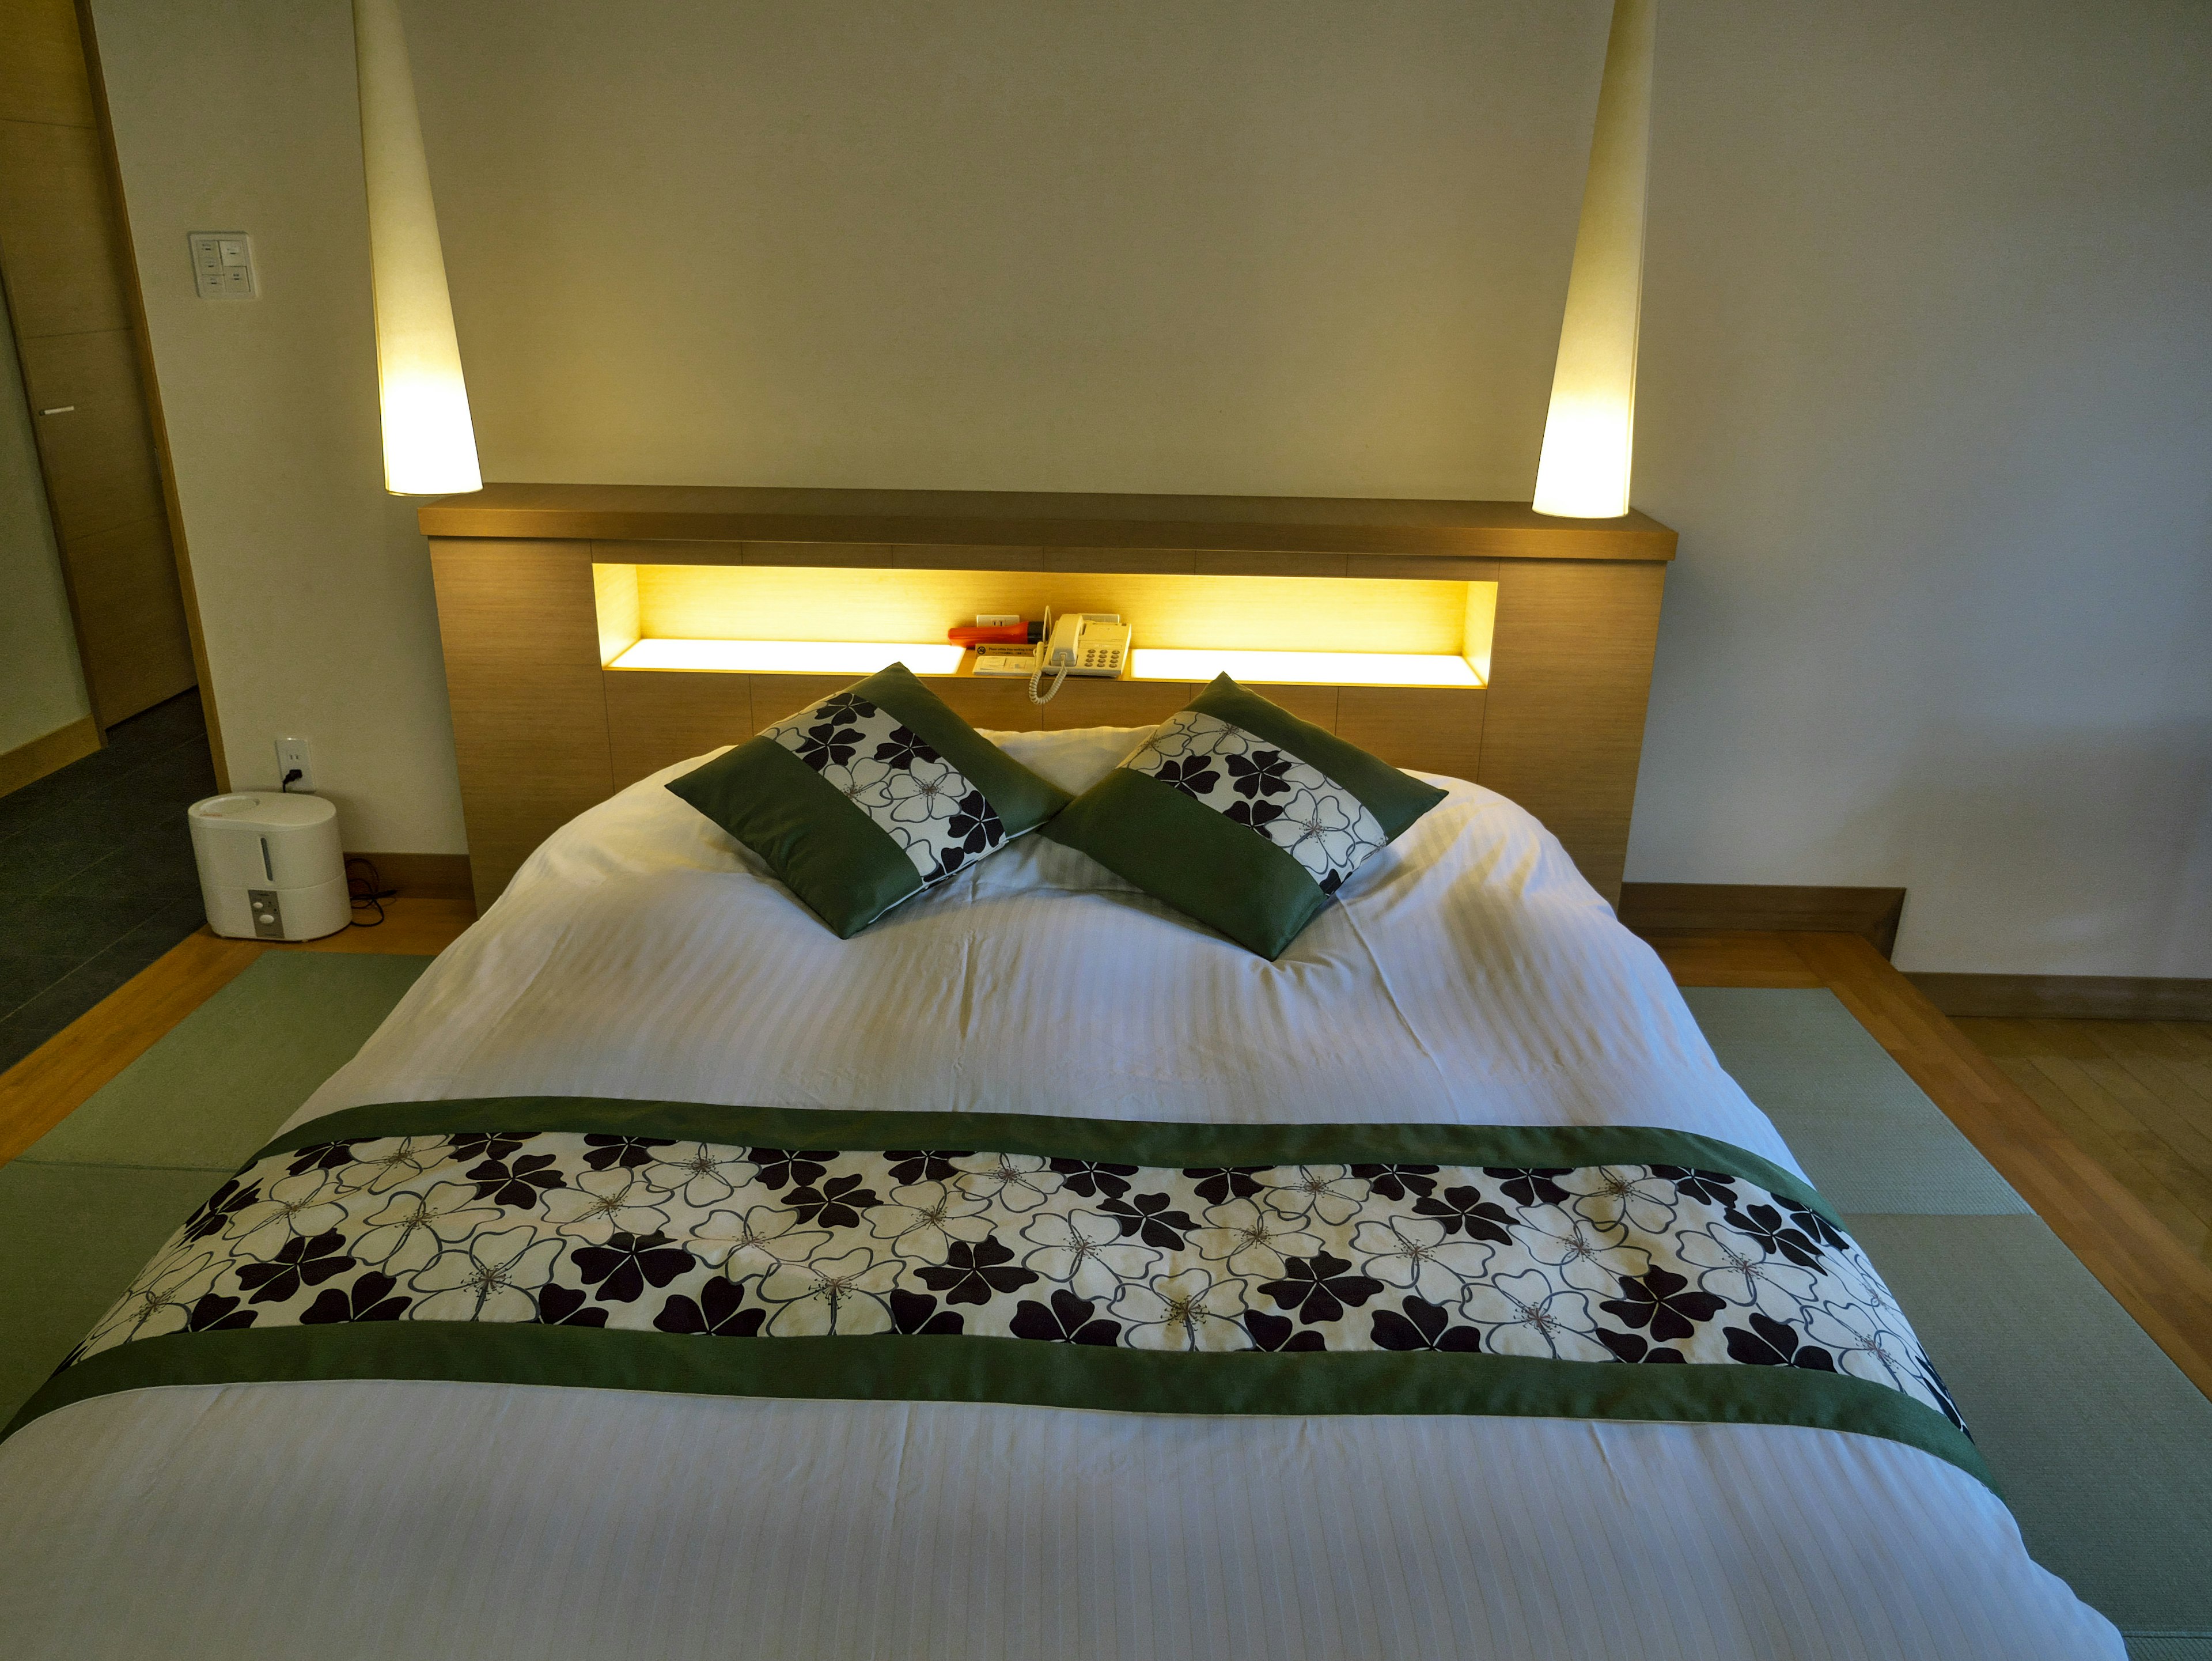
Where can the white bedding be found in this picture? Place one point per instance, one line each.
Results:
(1470, 975)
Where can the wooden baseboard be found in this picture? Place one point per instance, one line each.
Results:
(28, 762)
(423, 876)
(2080, 997)
(1869, 913)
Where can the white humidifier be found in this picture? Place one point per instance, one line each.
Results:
(270, 867)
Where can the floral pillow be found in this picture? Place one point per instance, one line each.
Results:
(870, 796)
(1242, 815)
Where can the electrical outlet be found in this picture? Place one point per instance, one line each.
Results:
(997, 620)
(223, 266)
(296, 753)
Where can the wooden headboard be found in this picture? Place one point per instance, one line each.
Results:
(540, 589)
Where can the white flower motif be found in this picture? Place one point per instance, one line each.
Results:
(861, 783)
(599, 1204)
(160, 1299)
(702, 1173)
(1863, 1345)
(763, 1239)
(1084, 1251)
(1416, 1253)
(1315, 831)
(1251, 1241)
(1736, 1266)
(1527, 1314)
(922, 1219)
(1610, 1195)
(1330, 1193)
(488, 1277)
(1578, 1253)
(388, 1161)
(412, 1227)
(1185, 1311)
(925, 791)
(303, 1206)
(842, 1294)
(1019, 1182)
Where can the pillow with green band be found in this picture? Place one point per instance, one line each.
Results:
(870, 796)
(1242, 815)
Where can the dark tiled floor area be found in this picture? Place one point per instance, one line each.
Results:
(96, 874)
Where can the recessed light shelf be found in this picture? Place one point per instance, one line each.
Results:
(790, 657)
(854, 657)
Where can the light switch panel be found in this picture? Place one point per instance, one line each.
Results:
(223, 266)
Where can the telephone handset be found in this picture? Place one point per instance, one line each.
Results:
(1080, 643)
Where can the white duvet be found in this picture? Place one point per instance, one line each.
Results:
(1469, 974)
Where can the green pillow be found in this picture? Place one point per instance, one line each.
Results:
(1242, 815)
(870, 796)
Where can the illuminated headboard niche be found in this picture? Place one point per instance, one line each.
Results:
(595, 634)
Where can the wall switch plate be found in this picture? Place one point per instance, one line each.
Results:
(223, 266)
(291, 753)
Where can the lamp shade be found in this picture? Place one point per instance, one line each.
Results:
(429, 442)
(1589, 435)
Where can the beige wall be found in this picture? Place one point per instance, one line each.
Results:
(1924, 384)
(41, 685)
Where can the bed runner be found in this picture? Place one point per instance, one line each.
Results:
(1588, 1272)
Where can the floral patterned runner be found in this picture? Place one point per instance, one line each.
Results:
(1580, 1272)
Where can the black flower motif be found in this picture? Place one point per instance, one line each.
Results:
(564, 1306)
(516, 1183)
(621, 1268)
(847, 707)
(1149, 1218)
(368, 1299)
(837, 1203)
(1932, 1381)
(1318, 1288)
(1067, 1321)
(919, 1165)
(781, 1166)
(215, 1211)
(1219, 1184)
(321, 1156)
(1424, 1325)
(1530, 1184)
(1093, 1178)
(829, 744)
(1394, 1181)
(1763, 1224)
(1627, 1346)
(622, 1152)
(1279, 1332)
(1662, 1302)
(1772, 1343)
(1194, 775)
(975, 823)
(916, 1314)
(213, 1314)
(1253, 814)
(1813, 1223)
(1464, 1209)
(487, 1144)
(1333, 881)
(718, 1313)
(1713, 1187)
(298, 1262)
(904, 747)
(975, 1274)
(1260, 774)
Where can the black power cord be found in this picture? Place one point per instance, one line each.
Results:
(286, 787)
(366, 892)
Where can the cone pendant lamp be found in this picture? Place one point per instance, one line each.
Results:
(429, 442)
(1590, 436)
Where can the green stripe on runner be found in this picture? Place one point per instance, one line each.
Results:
(1126, 1141)
(1395, 798)
(1205, 864)
(1020, 799)
(828, 852)
(890, 1367)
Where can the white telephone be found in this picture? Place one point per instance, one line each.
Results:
(1081, 644)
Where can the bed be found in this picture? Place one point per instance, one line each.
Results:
(1471, 981)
